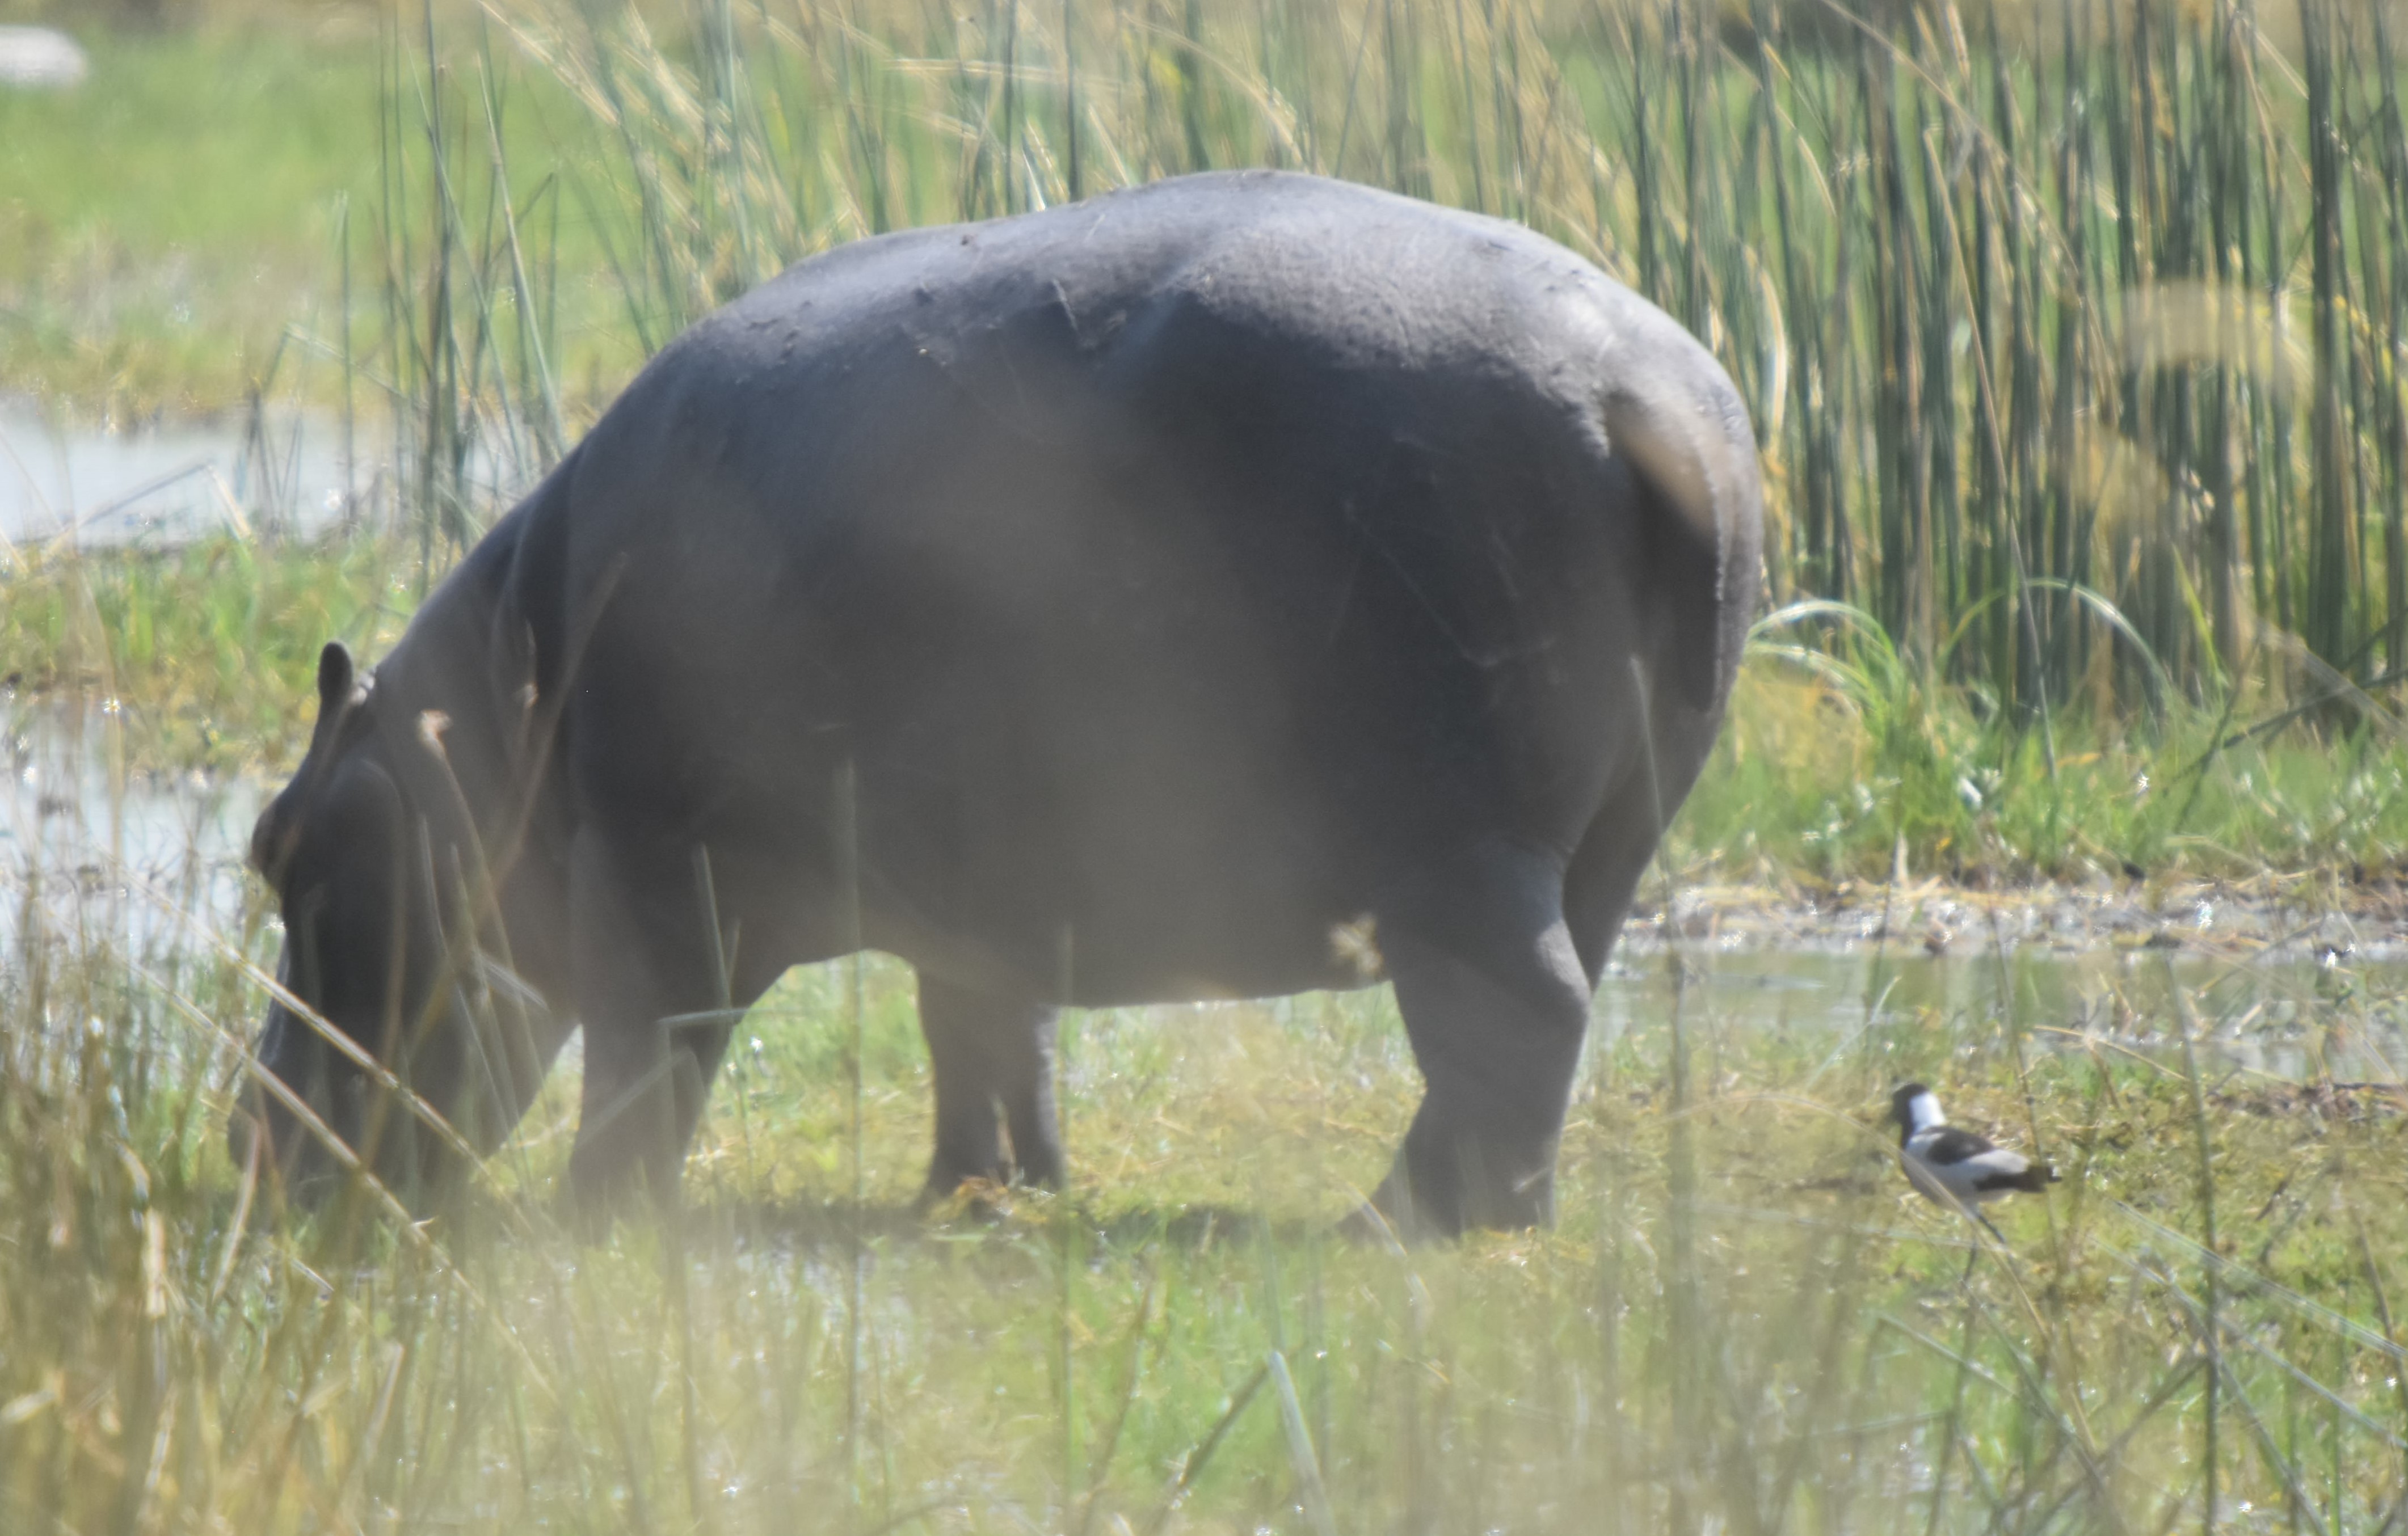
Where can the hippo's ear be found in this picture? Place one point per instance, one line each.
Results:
(334, 677)
(337, 691)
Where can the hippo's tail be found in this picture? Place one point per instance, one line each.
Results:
(1694, 449)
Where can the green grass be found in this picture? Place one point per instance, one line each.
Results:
(173, 233)
(1820, 780)
(161, 226)
(209, 646)
(1789, 1346)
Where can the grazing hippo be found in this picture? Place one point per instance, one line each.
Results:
(1139, 601)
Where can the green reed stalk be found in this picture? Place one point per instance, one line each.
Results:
(2014, 296)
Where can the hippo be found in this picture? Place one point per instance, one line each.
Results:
(1237, 586)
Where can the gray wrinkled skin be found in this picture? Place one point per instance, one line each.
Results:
(1139, 601)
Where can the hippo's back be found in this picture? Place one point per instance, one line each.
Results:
(1177, 570)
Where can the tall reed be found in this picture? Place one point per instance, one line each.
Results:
(2035, 304)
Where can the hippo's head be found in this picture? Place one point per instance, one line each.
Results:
(364, 972)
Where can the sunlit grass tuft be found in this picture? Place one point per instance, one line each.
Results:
(206, 644)
(784, 1357)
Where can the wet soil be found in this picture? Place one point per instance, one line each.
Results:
(2316, 915)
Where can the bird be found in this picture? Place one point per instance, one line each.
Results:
(1953, 1166)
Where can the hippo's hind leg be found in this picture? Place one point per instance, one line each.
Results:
(1604, 876)
(1496, 1001)
(1622, 836)
(993, 1061)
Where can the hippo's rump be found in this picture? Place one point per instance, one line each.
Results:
(1173, 571)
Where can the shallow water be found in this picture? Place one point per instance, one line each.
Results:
(283, 471)
(151, 864)
(145, 863)
(173, 481)
(2279, 1012)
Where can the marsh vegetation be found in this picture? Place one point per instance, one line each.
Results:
(2072, 336)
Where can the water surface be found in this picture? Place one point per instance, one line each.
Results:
(87, 484)
(274, 471)
(145, 862)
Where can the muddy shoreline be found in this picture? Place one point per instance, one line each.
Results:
(2315, 916)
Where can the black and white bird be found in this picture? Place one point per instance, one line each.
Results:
(1954, 1166)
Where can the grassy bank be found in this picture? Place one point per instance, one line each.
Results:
(1746, 1322)
(208, 647)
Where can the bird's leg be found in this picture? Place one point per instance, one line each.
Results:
(1976, 1212)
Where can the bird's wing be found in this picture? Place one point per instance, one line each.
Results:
(1932, 1182)
(1945, 1144)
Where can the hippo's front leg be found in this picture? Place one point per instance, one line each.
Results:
(990, 1053)
(654, 1004)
